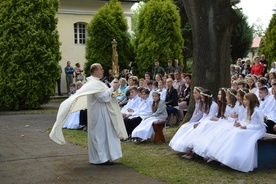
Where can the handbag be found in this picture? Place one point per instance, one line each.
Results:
(80, 77)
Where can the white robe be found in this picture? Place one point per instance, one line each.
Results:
(144, 130)
(236, 147)
(197, 115)
(73, 121)
(103, 144)
(184, 141)
(163, 93)
(131, 104)
(207, 130)
(107, 114)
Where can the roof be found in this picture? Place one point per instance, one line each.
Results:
(256, 42)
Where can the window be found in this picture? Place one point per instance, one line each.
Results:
(79, 33)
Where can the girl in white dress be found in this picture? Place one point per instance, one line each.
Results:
(251, 83)
(72, 122)
(184, 142)
(234, 111)
(162, 90)
(210, 130)
(197, 115)
(237, 147)
(144, 130)
(241, 107)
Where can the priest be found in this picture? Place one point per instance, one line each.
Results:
(105, 123)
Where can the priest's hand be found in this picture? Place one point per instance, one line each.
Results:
(115, 85)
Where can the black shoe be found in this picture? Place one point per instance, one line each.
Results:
(125, 140)
(108, 163)
(80, 127)
(84, 129)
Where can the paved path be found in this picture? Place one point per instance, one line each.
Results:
(27, 155)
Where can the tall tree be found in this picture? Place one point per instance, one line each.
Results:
(186, 31)
(29, 51)
(241, 39)
(212, 23)
(107, 24)
(158, 34)
(269, 41)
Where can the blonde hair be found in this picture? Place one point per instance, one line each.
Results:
(123, 79)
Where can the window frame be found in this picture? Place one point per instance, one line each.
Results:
(80, 33)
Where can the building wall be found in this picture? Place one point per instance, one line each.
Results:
(81, 11)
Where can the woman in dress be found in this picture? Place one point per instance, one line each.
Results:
(210, 128)
(144, 130)
(185, 141)
(197, 115)
(237, 147)
(78, 72)
(241, 107)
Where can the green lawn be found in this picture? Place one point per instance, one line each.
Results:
(161, 162)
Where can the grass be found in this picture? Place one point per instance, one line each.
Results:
(161, 162)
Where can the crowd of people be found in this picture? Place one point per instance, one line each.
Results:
(174, 90)
(242, 114)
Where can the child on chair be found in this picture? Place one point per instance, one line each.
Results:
(144, 130)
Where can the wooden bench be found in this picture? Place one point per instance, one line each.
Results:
(158, 129)
(267, 152)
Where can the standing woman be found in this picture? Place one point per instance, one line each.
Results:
(78, 72)
(144, 130)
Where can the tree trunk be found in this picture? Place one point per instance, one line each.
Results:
(212, 22)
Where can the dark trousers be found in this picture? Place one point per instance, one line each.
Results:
(131, 124)
(270, 124)
(58, 86)
(69, 80)
(83, 117)
(171, 110)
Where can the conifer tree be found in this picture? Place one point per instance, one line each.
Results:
(107, 24)
(29, 51)
(241, 38)
(269, 41)
(158, 34)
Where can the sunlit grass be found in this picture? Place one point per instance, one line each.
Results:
(161, 162)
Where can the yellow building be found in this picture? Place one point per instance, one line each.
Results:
(73, 18)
